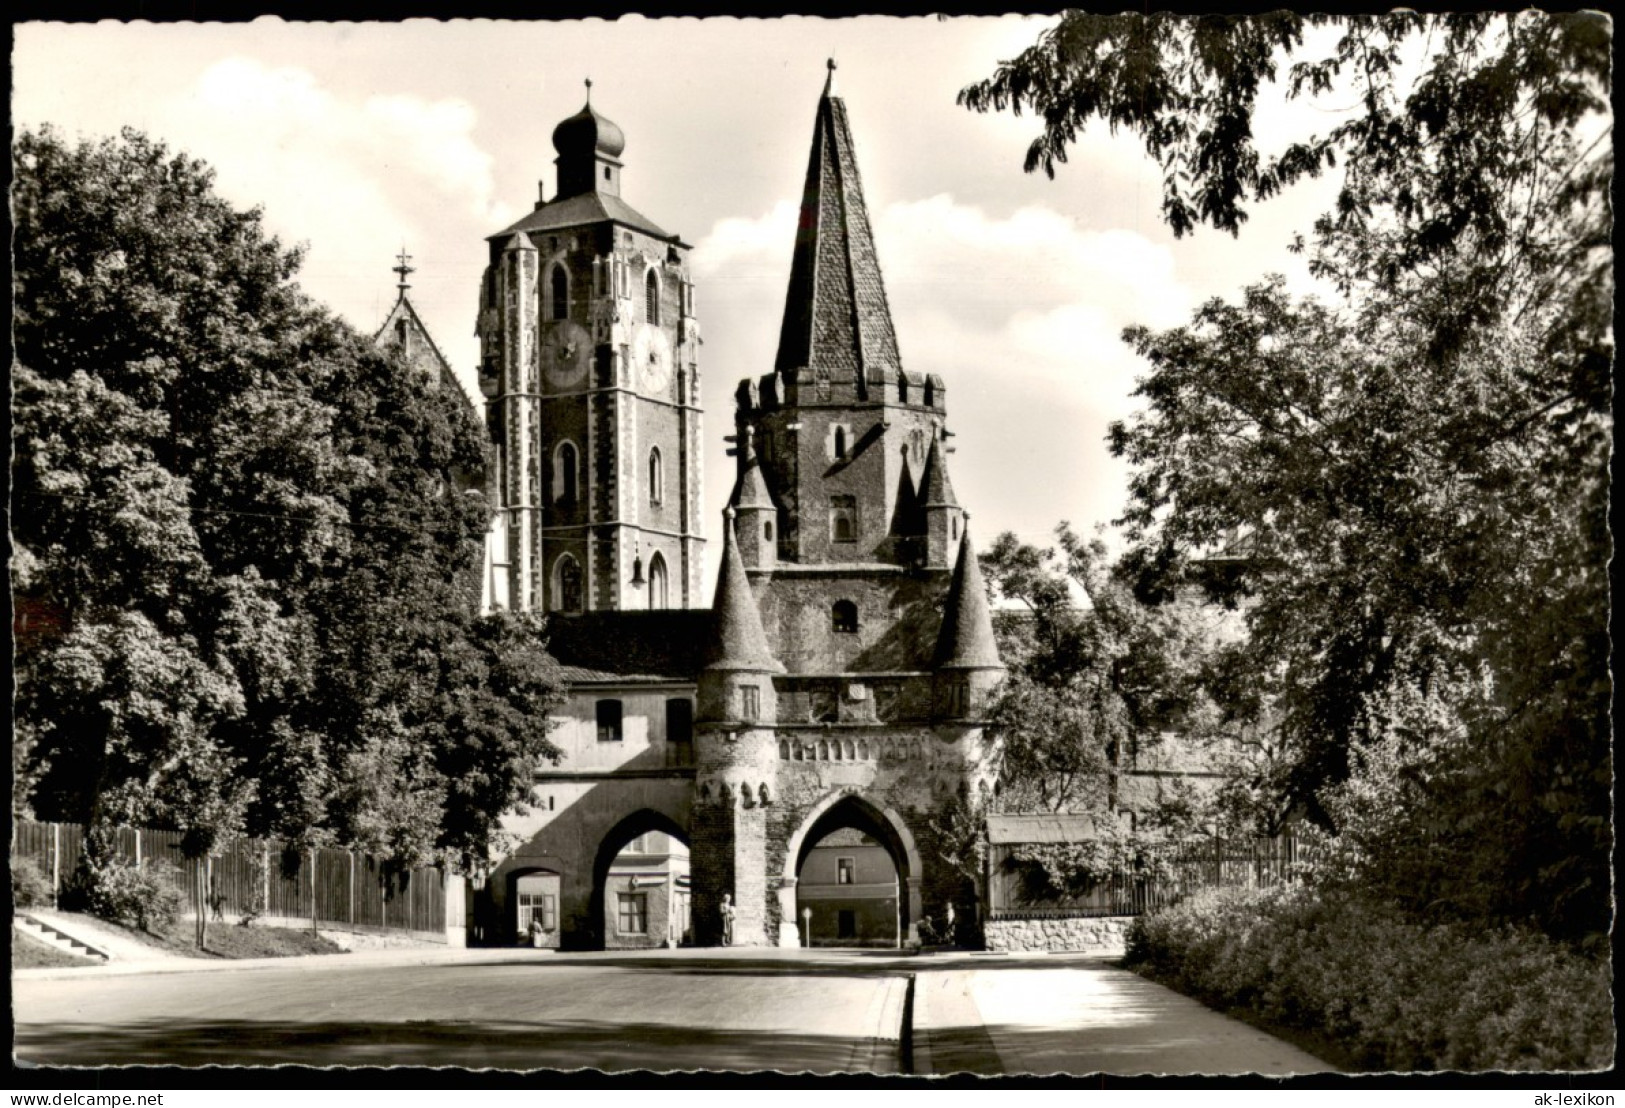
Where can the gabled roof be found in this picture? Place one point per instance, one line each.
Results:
(966, 639)
(737, 641)
(835, 312)
(582, 209)
(430, 356)
(936, 491)
(1002, 830)
(619, 646)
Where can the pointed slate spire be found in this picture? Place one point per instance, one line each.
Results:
(936, 491)
(966, 639)
(835, 313)
(738, 642)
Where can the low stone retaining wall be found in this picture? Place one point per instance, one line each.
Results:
(1094, 935)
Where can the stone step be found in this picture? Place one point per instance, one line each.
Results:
(56, 938)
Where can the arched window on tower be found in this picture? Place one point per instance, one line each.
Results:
(657, 478)
(840, 442)
(559, 294)
(659, 594)
(843, 518)
(651, 297)
(566, 477)
(566, 584)
(844, 617)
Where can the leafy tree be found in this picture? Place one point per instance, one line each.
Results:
(1095, 674)
(1418, 471)
(246, 539)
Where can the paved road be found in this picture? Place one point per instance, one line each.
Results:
(527, 1012)
(792, 1011)
(1065, 1015)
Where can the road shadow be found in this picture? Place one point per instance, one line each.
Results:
(861, 964)
(467, 1044)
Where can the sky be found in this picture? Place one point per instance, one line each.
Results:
(361, 139)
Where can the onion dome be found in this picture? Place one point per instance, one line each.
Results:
(588, 134)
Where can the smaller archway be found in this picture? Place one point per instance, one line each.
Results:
(640, 885)
(855, 866)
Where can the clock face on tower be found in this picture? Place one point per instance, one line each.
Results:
(567, 352)
(651, 359)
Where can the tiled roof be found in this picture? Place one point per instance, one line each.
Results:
(1041, 829)
(583, 209)
(936, 491)
(737, 641)
(966, 639)
(835, 313)
(661, 645)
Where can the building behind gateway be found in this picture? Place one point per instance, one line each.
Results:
(839, 678)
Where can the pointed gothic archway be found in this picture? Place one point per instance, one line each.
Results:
(647, 897)
(847, 809)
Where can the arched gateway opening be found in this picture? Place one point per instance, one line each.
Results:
(856, 872)
(640, 885)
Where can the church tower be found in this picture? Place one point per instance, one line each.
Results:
(588, 348)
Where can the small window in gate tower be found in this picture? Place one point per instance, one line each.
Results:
(609, 721)
(844, 617)
(750, 702)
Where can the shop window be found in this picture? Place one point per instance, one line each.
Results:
(609, 721)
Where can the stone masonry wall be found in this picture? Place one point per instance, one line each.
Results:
(1098, 935)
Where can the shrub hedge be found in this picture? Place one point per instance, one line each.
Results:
(29, 887)
(119, 891)
(1397, 994)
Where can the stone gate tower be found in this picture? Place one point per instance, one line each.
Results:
(852, 648)
(588, 347)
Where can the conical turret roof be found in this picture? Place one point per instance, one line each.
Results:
(738, 642)
(966, 639)
(835, 313)
(936, 491)
(751, 491)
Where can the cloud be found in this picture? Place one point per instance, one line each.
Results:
(356, 177)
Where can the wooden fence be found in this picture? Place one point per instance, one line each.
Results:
(338, 888)
(1166, 874)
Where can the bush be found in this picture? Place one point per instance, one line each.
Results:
(1398, 994)
(29, 888)
(118, 891)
